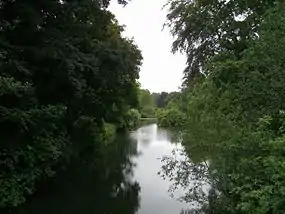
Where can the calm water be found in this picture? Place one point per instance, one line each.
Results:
(121, 179)
(152, 144)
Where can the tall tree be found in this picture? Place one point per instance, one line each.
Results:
(65, 69)
(235, 121)
(203, 28)
(145, 98)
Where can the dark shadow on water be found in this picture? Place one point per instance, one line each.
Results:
(101, 184)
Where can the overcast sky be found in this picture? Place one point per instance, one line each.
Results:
(161, 70)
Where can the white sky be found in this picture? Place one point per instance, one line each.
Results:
(144, 19)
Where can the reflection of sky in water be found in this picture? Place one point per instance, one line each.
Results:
(153, 143)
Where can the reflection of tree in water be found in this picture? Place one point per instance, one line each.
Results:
(192, 178)
(175, 136)
(100, 185)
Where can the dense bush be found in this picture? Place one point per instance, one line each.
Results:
(33, 139)
(171, 117)
(147, 112)
(133, 118)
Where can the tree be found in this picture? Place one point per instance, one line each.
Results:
(161, 103)
(235, 121)
(145, 98)
(172, 98)
(147, 105)
(163, 99)
(65, 70)
(203, 28)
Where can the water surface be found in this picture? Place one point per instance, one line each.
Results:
(152, 144)
(121, 178)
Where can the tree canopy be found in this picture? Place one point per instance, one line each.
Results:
(66, 70)
(204, 28)
(235, 121)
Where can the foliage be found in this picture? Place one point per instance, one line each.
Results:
(65, 68)
(32, 136)
(146, 104)
(203, 28)
(163, 99)
(148, 112)
(151, 105)
(170, 117)
(145, 98)
(160, 99)
(109, 132)
(235, 119)
(170, 114)
(133, 118)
